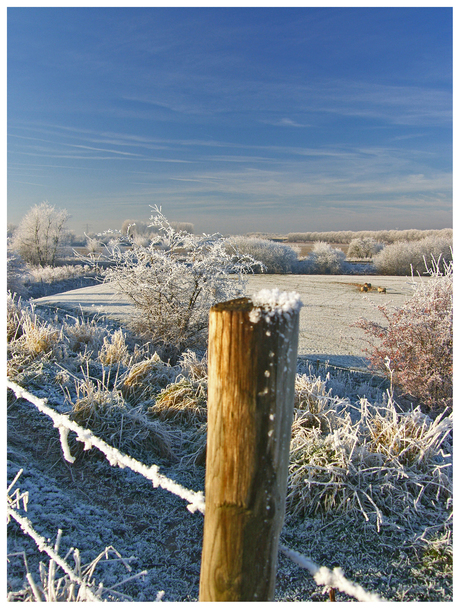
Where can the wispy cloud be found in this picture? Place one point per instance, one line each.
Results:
(111, 151)
(284, 122)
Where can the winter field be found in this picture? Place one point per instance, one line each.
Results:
(107, 410)
(398, 508)
(331, 305)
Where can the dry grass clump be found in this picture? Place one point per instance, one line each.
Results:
(409, 439)
(109, 417)
(314, 405)
(38, 337)
(145, 379)
(26, 331)
(183, 401)
(318, 472)
(29, 338)
(194, 367)
(386, 465)
(85, 335)
(114, 349)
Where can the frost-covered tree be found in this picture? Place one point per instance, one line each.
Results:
(174, 280)
(325, 260)
(41, 234)
(405, 257)
(364, 247)
(275, 257)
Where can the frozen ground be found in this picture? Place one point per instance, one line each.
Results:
(97, 505)
(331, 304)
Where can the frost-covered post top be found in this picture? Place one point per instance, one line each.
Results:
(265, 303)
(271, 303)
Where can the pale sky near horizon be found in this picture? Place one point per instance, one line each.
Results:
(235, 119)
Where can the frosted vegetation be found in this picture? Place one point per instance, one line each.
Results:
(174, 280)
(357, 460)
(41, 234)
(379, 236)
(272, 257)
(417, 339)
(42, 241)
(370, 454)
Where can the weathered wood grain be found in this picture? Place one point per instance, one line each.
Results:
(250, 404)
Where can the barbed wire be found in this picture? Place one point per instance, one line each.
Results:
(196, 500)
(332, 579)
(115, 457)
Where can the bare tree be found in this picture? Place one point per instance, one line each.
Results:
(41, 234)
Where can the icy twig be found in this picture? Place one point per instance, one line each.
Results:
(30, 579)
(28, 529)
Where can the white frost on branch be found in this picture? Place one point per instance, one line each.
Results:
(26, 526)
(175, 279)
(114, 456)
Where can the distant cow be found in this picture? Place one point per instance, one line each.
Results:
(364, 288)
(382, 290)
(368, 286)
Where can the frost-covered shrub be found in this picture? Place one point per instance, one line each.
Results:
(175, 280)
(185, 227)
(141, 240)
(324, 260)
(274, 257)
(365, 247)
(92, 245)
(374, 467)
(41, 234)
(415, 344)
(405, 257)
(53, 274)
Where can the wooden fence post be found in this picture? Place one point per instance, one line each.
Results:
(252, 357)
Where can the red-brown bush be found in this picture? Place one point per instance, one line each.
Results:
(418, 340)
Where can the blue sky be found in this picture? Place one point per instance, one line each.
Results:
(235, 119)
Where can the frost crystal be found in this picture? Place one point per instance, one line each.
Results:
(274, 302)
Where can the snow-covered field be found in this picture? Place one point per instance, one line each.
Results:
(98, 506)
(331, 304)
